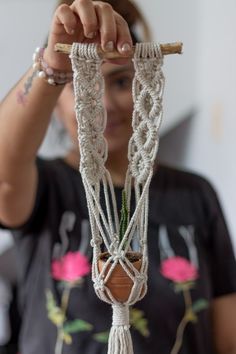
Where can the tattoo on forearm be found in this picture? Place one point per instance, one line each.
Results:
(22, 94)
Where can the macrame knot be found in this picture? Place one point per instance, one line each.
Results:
(120, 315)
(91, 165)
(140, 166)
(89, 89)
(141, 278)
(147, 92)
(96, 242)
(99, 284)
(84, 51)
(118, 255)
(148, 51)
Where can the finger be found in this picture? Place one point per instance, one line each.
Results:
(124, 39)
(86, 12)
(107, 26)
(66, 17)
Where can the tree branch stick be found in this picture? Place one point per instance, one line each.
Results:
(167, 48)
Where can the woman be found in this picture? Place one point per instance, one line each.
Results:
(190, 306)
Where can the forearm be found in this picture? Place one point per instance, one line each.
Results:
(230, 351)
(23, 122)
(224, 324)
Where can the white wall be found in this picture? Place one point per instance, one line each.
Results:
(174, 21)
(206, 143)
(212, 144)
(21, 32)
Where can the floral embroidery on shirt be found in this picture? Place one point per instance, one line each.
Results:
(69, 270)
(139, 322)
(184, 275)
(71, 267)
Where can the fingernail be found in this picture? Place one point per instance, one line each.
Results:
(91, 35)
(126, 47)
(109, 46)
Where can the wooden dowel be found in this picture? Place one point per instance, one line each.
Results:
(167, 48)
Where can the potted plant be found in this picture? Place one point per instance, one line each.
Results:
(119, 282)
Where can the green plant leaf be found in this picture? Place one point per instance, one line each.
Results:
(77, 326)
(200, 305)
(124, 218)
(101, 337)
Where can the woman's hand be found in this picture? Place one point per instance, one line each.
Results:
(86, 21)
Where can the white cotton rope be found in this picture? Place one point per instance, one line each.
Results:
(148, 86)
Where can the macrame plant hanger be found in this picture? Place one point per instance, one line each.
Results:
(110, 229)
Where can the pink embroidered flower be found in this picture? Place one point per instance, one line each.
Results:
(179, 270)
(71, 267)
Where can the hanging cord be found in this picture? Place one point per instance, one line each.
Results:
(148, 85)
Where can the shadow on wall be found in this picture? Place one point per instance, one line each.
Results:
(174, 144)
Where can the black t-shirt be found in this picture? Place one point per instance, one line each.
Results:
(190, 262)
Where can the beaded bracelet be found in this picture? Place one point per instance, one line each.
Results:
(53, 77)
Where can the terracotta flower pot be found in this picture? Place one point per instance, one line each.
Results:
(119, 282)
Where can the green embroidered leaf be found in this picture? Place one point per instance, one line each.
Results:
(55, 314)
(139, 322)
(178, 287)
(51, 303)
(64, 284)
(135, 314)
(67, 338)
(101, 337)
(77, 326)
(190, 316)
(200, 305)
